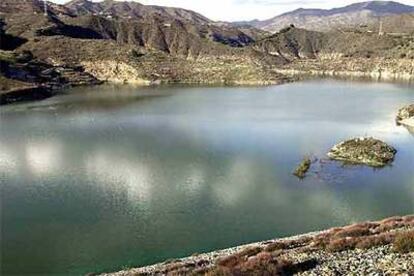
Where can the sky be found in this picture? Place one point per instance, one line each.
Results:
(237, 10)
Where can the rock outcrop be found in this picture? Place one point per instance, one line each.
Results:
(405, 117)
(25, 78)
(405, 113)
(367, 151)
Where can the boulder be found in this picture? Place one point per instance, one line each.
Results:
(367, 151)
(406, 115)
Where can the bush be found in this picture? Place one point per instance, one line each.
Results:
(375, 241)
(249, 251)
(264, 264)
(275, 246)
(342, 244)
(353, 231)
(404, 242)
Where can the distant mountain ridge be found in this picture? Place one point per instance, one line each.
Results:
(323, 20)
(132, 10)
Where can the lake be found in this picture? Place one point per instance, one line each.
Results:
(109, 177)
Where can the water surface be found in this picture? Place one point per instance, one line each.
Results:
(109, 177)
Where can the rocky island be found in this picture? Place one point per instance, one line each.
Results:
(368, 151)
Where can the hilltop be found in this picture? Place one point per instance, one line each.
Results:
(351, 16)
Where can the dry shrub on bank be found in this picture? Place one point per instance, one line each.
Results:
(261, 264)
(362, 235)
(404, 242)
(274, 246)
(270, 257)
(238, 257)
(390, 224)
(353, 231)
(264, 264)
(342, 244)
(375, 240)
(408, 219)
(288, 244)
(228, 261)
(249, 251)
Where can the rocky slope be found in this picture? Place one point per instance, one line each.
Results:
(352, 15)
(382, 248)
(110, 61)
(25, 78)
(349, 54)
(130, 42)
(132, 10)
(294, 42)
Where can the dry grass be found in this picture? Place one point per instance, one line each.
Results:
(404, 242)
(263, 263)
(272, 258)
(362, 235)
(342, 244)
(353, 231)
(275, 246)
(375, 240)
(249, 251)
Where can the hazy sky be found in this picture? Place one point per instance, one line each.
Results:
(231, 10)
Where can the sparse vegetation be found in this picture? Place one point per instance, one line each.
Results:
(353, 231)
(275, 257)
(303, 168)
(7, 56)
(404, 242)
(264, 263)
(375, 240)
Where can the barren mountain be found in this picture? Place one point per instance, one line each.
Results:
(294, 44)
(167, 29)
(402, 23)
(130, 42)
(133, 10)
(322, 20)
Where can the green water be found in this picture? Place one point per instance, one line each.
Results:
(104, 178)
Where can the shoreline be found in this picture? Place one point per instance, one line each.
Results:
(302, 248)
(43, 91)
(351, 75)
(39, 92)
(28, 93)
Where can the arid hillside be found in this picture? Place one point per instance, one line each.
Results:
(130, 42)
(369, 13)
